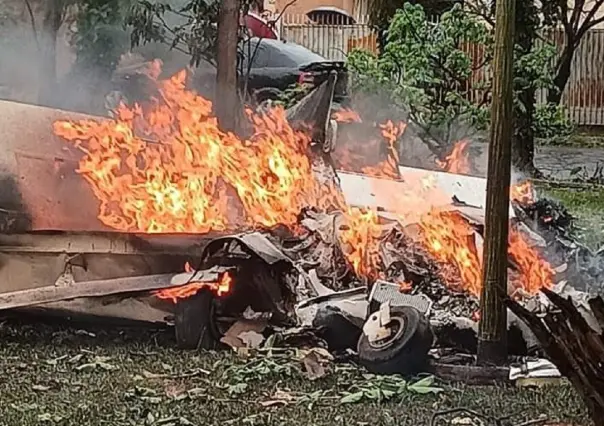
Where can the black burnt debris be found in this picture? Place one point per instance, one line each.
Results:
(575, 262)
(332, 301)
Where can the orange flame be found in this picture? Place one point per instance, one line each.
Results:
(360, 239)
(389, 167)
(458, 161)
(198, 178)
(450, 238)
(535, 272)
(523, 193)
(221, 287)
(169, 168)
(405, 287)
(346, 115)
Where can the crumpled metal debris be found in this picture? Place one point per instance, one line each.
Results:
(555, 226)
(353, 302)
(313, 112)
(386, 292)
(316, 362)
(326, 288)
(319, 250)
(256, 242)
(538, 368)
(245, 334)
(205, 275)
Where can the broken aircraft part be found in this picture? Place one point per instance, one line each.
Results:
(405, 350)
(194, 321)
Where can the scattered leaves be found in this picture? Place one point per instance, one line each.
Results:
(385, 388)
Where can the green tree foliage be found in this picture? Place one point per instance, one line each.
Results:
(382, 11)
(551, 122)
(186, 25)
(101, 35)
(424, 68)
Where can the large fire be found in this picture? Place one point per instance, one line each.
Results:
(179, 173)
(169, 168)
(450, 239)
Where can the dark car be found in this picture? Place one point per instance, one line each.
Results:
(277, 65)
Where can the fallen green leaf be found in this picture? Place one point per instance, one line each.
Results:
(424, 386)
(40, 388)
(351, 398)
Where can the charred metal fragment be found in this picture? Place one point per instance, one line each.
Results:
(314, 110)
(14, 214)
(194, 323)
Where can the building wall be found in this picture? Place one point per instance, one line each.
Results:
(301, 7)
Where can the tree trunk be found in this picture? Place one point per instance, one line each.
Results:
(554, 95)
(51, 24)
(523, 151)
(524, 137)
(492, 336)
(227, 106)
(523, 148)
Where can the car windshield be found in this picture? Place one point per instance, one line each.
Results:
(275, 54)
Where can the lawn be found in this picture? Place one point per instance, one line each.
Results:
(587, 206)
(584, 138)
(76, 374)
(53, 374)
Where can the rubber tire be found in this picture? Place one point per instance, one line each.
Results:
(408, 355)
(336, 329)
(193, 322)
(263, 95)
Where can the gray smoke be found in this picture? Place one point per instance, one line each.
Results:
(24, 74)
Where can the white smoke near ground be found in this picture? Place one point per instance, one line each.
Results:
(81, 89)
(25, 71)
(79, 86)
(421, 145)
(21, 65)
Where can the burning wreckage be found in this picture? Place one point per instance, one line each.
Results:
(283, 232)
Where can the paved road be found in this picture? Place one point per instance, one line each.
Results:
(556, 161)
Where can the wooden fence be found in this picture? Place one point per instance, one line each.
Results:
(332, 40)
(583, 96)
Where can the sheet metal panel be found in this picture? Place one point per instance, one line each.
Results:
(393, 196)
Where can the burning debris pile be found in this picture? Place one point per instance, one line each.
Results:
(290, 239)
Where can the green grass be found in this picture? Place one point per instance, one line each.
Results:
(582, 139)
(56, 375)
(587, 205)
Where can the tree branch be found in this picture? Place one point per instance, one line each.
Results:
(589, 22)
(595, 22)
(576, 15)
(481, 10)
(564, 11)
(274, 21)
(33, 23)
